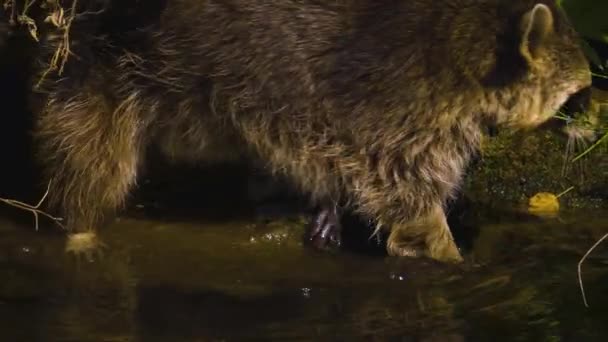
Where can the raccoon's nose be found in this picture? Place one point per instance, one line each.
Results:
(492, 130)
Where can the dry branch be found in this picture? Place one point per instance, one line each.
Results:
(580, 264)
(34, 209)
(57, 16)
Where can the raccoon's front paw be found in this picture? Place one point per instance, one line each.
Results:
(325, 230)
(424, 239)
(444, 249)
(86, 245)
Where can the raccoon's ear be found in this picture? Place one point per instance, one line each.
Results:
(536, 27)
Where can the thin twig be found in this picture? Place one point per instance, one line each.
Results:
(34, 209)
(601, 140)
(564, 192)
(580, 264)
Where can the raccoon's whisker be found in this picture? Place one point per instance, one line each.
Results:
(579, 164)
(582, 146)
(567, 156)
(592, 147)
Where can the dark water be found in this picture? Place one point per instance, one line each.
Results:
(172, 281)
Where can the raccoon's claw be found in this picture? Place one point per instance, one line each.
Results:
(325, 230)
(85, 245)
(446, 254)
(404, 250)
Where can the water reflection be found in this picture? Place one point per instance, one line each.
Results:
(163, 281)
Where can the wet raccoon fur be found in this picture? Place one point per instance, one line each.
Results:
(375, 104)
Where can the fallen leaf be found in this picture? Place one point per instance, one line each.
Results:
(543, 204)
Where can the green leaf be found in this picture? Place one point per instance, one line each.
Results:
(592, 55)
(589, 17)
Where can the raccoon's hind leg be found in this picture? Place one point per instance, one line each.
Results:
(90, 151)
(325, 228)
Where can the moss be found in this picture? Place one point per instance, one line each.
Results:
(515, 166)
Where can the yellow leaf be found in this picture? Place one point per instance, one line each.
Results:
(543, 204)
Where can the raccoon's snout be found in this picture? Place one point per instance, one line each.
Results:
(579, 102)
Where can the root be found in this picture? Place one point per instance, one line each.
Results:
(63, 23)
(22, 18)
(35, 209)
(580, 264)
(58, 17)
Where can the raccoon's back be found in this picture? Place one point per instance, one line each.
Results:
(298, 48)
(344, 52)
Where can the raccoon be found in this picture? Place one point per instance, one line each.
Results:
(374, 106)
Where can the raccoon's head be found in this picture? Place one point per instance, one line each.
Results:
(550, 67)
